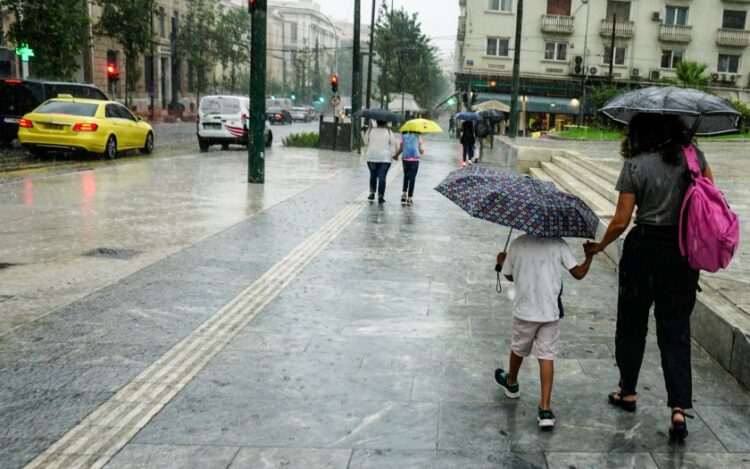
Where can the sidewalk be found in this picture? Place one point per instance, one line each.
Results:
(326, 331)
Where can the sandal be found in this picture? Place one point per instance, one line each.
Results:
(678, 430)
(616, 399)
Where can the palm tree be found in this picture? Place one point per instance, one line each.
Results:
(690, 75)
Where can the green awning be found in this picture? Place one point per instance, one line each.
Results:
(536, 104)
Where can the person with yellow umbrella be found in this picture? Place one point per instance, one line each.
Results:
(412, 148)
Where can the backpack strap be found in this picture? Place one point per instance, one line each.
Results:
(691, 158)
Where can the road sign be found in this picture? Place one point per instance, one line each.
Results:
(335, 101)
(25, 52)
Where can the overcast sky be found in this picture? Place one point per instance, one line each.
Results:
(439, 18)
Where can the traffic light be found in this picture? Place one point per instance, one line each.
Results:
(334, 84)
(256, 5)
(112, 72)
(293, 97)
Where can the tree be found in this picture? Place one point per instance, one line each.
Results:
(197, 39)
(129, 23)
(689, 75)
(46, 27)
(232, 42)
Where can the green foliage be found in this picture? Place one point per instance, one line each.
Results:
(128, 23)
(586, 133)
(196, 41)
(303, 140)
(689, 75)
(745, 111)
(53, 29)
(407, 57)
(232, 38)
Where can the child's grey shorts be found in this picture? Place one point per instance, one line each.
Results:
(545, 335)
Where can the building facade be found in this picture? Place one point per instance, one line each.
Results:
(566, 43)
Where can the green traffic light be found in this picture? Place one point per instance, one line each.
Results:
(294, 97)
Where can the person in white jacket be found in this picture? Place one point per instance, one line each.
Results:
(382, 144)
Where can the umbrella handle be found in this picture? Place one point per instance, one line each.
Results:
(507, 241)
(498, 285)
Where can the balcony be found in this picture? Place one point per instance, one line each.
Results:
(557, 24)
(623, 29)
(675, 33)
(461, 35)
(733, 37)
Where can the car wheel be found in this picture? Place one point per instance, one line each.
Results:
(110, 151)
(203, 144)
(225, 146)
(269, 139)
(148, 147)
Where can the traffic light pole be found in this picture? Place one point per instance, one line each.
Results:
(257, 121)
(513, 131)
(356, 79)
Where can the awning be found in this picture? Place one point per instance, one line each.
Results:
(536, 104)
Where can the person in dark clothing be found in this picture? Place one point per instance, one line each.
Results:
(652, 270)
(468, 139)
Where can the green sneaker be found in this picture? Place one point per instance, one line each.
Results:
(511, 390)
(545, 418)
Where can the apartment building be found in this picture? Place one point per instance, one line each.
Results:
(568, 42)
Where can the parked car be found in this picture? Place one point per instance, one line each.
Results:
(19, 97)
(300, 114)
(93, 125)
(223, 120)
(276, 115)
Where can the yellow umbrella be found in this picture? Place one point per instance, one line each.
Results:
(420, 126)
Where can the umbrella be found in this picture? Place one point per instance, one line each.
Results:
(492, 104)
(378, 114)
(467, 116)
(702, 113)
(519, 202)
(420, 126)
(492, 115)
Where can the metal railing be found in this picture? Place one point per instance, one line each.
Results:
(557, 24)
(623, 29)
(675, 33)
(732, 37)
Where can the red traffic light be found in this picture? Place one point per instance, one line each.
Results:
(256, 5)
(334, 83)
(112, 71)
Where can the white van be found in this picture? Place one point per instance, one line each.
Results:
(222, 120)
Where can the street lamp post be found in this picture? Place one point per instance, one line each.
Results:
(585, 62)
(513, 132)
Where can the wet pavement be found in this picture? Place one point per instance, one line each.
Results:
(295, 324)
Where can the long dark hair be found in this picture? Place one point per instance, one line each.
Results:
(655, 133)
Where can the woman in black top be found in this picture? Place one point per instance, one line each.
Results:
(468, 139)
(654, 178)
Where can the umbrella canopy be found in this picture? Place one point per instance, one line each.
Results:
(492, 104)
(519, 202)
(703, 113)
(467, 116)
(420, 126)
(492, 115)
(378, 114)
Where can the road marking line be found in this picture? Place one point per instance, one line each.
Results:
(96, 439)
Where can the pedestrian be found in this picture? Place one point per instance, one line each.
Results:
(411, 148)
(468, 139)
(381, 146)
(535, 265)
(451, 126)
(652, 270)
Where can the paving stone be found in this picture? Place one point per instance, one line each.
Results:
(701, 460)
(137, 456)
(600, 461)
(16, 452)
(366, 459)
(291, 458)
(731, 424)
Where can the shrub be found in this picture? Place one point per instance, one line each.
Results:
(304, 140)
(745, 111)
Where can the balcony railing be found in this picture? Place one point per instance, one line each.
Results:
(557, 24)
(623, 29)
(733, 37)
(675, 33)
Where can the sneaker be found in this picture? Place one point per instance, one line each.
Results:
(381, 200)
(469, 162)
(403, 198)
(409, 201)
(371, 196)
(511, 390)
(545, 418)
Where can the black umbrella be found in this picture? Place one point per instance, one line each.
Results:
(492, 115)
(378, 115)
(702, 113)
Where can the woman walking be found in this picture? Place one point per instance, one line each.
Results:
(411, 148)
(381, 146)
(652, 270)
(468, 139)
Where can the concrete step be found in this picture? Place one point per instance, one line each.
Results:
(606, 172)
(588, 176)
(600, 205)
(539, 173)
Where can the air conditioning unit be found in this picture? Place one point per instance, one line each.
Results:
(635, 73)
(654, 75)
(723, 77)
(715, 76)
(576, 66)
(593, 71)
(656, 16)
(733, 78)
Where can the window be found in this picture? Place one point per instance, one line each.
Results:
(175, 23)
(619, 55)
(499, 5)
(728, 63)
(619, 8)
(555, 50)
(733, 19)
(2, 29)
(558, 7)
(293, 31)
(670, 58)
(162, 22)
(498, 46)
(676, 16)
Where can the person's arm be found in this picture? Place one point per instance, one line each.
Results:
(399, 151)
(500, 262)
(421, 146)
(580, 271)
(708, 174)
(618, 224)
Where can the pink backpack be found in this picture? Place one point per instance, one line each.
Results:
(709, 230)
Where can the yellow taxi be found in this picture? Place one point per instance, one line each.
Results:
(93, 125)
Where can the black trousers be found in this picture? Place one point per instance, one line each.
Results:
(410, 176)
(652, 271)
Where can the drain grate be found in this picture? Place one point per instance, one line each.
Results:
(111, 253)
(6, 265)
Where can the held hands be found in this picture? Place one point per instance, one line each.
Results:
(592, 248)
(500, 261)
(395, 157)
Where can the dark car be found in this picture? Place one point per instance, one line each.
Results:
(19, 97)
(276, 115)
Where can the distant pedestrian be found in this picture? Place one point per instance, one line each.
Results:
(652, 270)
(382, 144)
(411, 148)
(451, 127)
(535, 264)
(468, 140)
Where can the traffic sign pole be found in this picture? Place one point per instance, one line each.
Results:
(256, 143)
